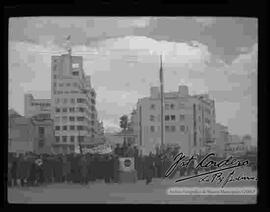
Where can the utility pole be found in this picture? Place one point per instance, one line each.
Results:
(162, 102)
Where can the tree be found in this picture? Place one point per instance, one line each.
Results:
(124, 124)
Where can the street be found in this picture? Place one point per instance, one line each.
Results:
(99, 192)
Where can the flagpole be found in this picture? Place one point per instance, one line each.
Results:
(162, 103)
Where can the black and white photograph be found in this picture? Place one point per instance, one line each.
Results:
(132, 110)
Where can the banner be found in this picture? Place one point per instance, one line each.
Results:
(101, 149)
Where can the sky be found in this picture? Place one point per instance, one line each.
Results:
(211, 55)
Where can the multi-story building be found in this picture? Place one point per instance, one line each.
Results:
(34, 107)
(73, 104)
(33, 134)
(189, 121)
(222, 138)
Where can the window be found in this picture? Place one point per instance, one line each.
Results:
(75, 84)
(72, 127)
(64, 127)
(75, 73)
(64, 109)
(182, 117)
(54, 84)
(173, 117)
(65, 100)
(153, 106)
(57, 127)
(57, 138)
(80, 100)
(81, 138)
(199, 119)
(64, 138)
(75, 65)
(41, 131)
(167, 118)
(81, 109)
(72, 138)
(71, 118)
(64, 118)
(172, 128)
(41, 143)
(72, 100)
(172, 106)
(55, 77)
(167, 106)
(167, 128)
(68, 84)
(57, 110)
(72, 109)
(61, 84)
(55, 65)
(182, 128)
(57, 119)
(79, 127)
(152, 118)
(152, 128)
(80, 118)
(57, 100)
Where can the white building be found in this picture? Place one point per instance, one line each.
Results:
(33, 107)
(189, 121)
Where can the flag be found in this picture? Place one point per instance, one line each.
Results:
(68, 37)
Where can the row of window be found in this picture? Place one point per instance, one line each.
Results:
(69, 138)
(65, 92)
(170, 128)
(72, 118)
(167, 118)
(182, 117)
(72, 127)
(41, 104)
(72, 100)
(71, 109)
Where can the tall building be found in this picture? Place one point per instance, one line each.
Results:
(73, 104)
(34, 107)
(189, 121)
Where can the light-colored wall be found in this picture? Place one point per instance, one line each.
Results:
(20, 135)
(183, 105)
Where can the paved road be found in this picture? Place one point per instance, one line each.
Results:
(100, 192)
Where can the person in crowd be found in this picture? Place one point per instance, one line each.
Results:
(10, 160)
(39, 170)
(149, 168)
(33, 168)
(66, 169)
(83, 170)
(116, 168)
(14, 170)
(23, 170)
(158, 165)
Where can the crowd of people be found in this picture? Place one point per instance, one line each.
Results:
(32, 170)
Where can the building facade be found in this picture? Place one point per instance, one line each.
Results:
(73, 104)
(189, 121)
(34, 107)
(33, 134)
(222, 138)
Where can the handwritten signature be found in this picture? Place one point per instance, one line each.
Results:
(206, 162)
